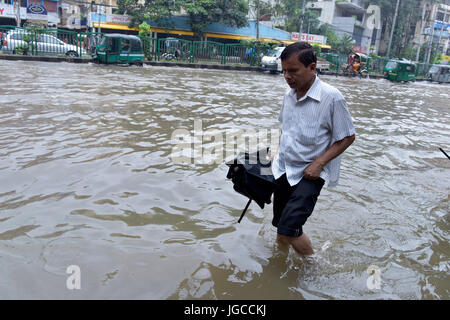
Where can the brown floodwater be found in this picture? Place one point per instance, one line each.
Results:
(88, 178)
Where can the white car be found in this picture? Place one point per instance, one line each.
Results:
(272, 61)
(322, 65)
(45, 44)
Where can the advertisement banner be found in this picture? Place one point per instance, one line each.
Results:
(118, 18)
(37, 12)
(7, 11)
(314, 38)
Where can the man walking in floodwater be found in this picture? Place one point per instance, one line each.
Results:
(316, 129)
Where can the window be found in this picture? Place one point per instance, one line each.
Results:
(440, 16)
(358, 35)
(125, 45)
(136, 46)
(391, 65)
(47, 39)
(434, 69)
(17, 36)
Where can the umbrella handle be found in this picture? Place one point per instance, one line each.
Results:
(444, 153)
(243, 212)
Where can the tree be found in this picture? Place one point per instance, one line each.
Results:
(292, 10)
(261, 11)
(145, 33)
(409, 14)
(159, 11)
(345, 45)
(200, 13)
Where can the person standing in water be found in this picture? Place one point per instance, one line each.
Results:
(316, 128)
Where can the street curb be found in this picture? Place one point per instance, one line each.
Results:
(203, 66)
(153, 63)
(43, 58)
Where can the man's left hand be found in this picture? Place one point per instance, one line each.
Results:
(312, 172)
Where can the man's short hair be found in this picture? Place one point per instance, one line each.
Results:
(303, 50)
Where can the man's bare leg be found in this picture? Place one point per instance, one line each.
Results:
(302, 245)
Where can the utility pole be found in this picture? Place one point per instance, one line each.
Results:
(91, 23)
(393, 27)
(442, 27)
(430, 39)
(17, 12)
(301, 22)
(421, 31)
(99, 12)
(257, 20)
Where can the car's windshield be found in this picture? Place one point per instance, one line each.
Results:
(434, 69)
(391, 65)
(276, 52)
(19, 36)
(102, 41)
(45, 38)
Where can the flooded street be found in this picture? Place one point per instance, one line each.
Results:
(87, 179)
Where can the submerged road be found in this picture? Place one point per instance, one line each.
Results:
(88, 179)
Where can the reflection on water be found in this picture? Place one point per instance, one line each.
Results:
(87, 179)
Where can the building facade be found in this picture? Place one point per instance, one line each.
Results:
(20, 12)
(433, 30)
(349, 17)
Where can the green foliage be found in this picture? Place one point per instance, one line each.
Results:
(408, 53)
(265, 45)
(31, 33)
(374, 55)
(409, 14)
(145, 33)
(201, 13)
(316, 48)
(264, 8)
(437, 59)
(260, 48)
(22, 49)
(144, 29)
(345, 45)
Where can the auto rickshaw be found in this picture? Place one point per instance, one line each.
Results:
(400, 70)
(117, 48)
(439, 73)
(357, 64)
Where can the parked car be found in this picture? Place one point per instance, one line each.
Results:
(322, 65)
(272, 61)
(22, 41)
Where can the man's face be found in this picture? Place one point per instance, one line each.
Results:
(296, 74)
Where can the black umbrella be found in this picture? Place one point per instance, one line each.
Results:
(252, 177)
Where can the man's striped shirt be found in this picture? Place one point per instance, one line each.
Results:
(309, 127)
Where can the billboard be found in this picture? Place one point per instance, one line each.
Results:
(314, 38)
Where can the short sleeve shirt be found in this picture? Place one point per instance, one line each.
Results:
(309, 127)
